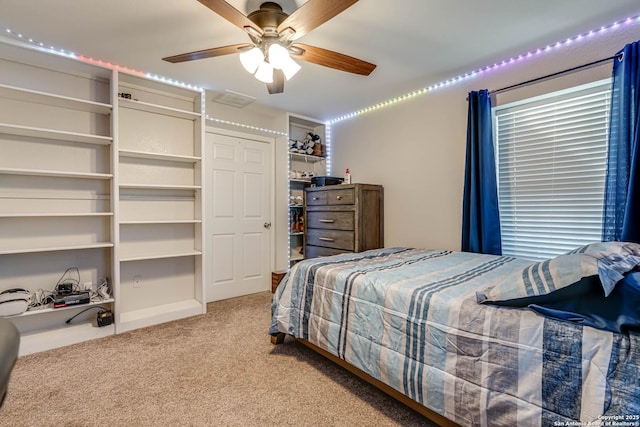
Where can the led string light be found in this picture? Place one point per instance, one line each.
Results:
(39, 45)
(58, 51)
(497, 65)
(172, 82)
(288, 207)
(463, 77)
(227, 122)
(328, 148)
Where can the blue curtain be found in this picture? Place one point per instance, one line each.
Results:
(480, 216)
(621, 218)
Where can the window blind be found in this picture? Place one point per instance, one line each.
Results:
(551, 164)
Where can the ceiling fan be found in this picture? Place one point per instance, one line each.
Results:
(272, 33)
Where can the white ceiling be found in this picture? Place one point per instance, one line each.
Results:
(414, 43)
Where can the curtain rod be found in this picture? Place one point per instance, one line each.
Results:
(559, 73)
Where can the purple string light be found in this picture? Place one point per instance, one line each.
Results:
(528, 55)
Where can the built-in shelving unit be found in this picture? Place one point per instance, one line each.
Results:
(109, 185)
(56, 182)
(160, 229)
(301, 164)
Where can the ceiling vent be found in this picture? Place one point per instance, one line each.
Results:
(235, 99)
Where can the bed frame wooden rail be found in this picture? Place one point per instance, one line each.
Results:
(422, 410)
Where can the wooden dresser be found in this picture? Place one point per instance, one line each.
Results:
(343, 218)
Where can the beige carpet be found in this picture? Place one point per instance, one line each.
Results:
(219, 369)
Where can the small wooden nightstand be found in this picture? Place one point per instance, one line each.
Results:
(276, 277)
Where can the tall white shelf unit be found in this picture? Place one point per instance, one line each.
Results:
(109, 185)
(56, 182)
(159, 274)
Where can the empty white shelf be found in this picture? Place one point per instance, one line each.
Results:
(56, 248)
(57, 174)
(161, 221)
(158, 109)
(53, 214)
(46, 98)
(159, 156)
(160, 187)
(148, 256)
(58, 135)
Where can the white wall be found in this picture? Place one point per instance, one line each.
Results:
(416, 148)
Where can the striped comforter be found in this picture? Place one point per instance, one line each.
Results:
(410, 318)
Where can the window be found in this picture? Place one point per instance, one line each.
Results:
(551, 164)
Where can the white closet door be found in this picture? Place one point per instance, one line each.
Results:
(239, 216)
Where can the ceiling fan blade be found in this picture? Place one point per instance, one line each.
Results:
(278, 82)
(207, 53)
(331, 59)
(312, 14)
(231, 14)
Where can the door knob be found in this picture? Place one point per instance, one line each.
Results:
(267, 225)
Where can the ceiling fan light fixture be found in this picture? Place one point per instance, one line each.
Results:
(280, 59)
(290, 68)
(265, 72)
(278, 56)
(272, 32)
(252, 59)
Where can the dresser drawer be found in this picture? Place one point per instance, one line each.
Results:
(338, 196)
(330, 220)
(341, 197)
(316, 251)
(317, 198)
(331, 238)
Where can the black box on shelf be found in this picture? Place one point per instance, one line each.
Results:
(321, 181)
(73, 298)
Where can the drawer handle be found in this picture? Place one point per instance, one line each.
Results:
(327, 221)
(326, 239)
(315, 198)
(339, 197)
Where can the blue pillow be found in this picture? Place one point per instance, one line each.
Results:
(619, 312)
(606, 261)
(621, 248)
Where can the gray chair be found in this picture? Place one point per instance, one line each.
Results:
(9, 344)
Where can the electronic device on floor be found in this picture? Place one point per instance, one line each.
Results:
(105, 318)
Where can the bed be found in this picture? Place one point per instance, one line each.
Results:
(469, 339)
